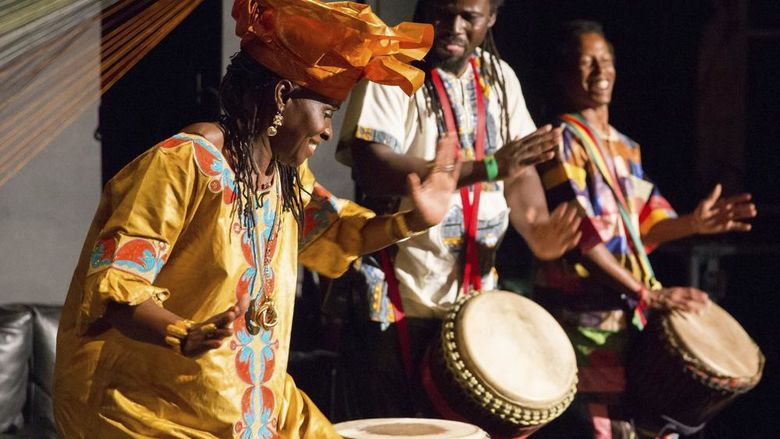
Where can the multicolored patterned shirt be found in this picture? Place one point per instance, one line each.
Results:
(592, 314)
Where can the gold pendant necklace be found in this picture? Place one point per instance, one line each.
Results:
(262, 316)
(262, 313)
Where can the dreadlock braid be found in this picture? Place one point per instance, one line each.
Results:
(491, 71)
(245, 97)
(292, 192)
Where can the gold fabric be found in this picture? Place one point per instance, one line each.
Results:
(165, 230)
(328, 47)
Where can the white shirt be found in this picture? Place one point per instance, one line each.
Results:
(429, 267)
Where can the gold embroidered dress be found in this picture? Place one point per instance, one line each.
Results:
(165, 230)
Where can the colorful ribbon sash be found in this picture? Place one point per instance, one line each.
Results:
(595, 150)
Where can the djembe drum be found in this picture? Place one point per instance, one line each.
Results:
(502, 362)
(394, 428)
(687, 367)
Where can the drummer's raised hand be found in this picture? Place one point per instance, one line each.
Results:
(210, 334)
(686, 299)
(719, 215)
(431, 197)
(549, 238)
(537, 147)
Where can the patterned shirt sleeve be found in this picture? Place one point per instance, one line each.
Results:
(143, 209)
(653, 207)
(655, 210)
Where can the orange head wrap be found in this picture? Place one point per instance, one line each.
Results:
(328, 47)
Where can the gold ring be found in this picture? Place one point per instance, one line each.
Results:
(441, 168)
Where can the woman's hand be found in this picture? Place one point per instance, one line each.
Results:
(210, 334)
(686, 299)
(537, 147)
(550, 238)
(719, 215)
(431, 197)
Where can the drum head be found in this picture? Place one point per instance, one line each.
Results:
(718, 341)
(387, 428)
(516, 348)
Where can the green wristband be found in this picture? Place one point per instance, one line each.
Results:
(491, 167)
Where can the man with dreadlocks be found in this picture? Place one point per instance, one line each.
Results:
(177, 322)
(471, 91)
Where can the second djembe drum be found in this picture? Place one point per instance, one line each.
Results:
(687, 367)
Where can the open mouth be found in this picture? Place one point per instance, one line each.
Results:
(454, 47)
(601, 85)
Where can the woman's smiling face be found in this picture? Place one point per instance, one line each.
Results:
(308, 119)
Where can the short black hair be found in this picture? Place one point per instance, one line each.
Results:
(568, 38)
(565, 43)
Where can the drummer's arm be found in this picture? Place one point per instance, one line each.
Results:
(714, 214)
(549, 236)
(333, 241)
(149, 323)
(430, 201)
(380, 171)
(603, 266)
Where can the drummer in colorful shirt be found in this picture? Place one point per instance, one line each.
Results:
(607, 283)
(177, 321)
(404, 294)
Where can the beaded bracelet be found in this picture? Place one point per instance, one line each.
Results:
(176, 333)
(397, 228)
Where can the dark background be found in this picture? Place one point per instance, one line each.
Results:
(657, 45)
(171, 87)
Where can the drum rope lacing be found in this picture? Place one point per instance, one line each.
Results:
(496, 404)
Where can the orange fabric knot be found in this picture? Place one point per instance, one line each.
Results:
(328, 47)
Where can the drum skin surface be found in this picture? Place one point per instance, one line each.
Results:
(395, 428)
(516, 348)
(717, 341)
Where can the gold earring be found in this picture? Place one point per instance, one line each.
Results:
(277, 122)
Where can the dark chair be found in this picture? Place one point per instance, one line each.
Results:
(28, 335)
